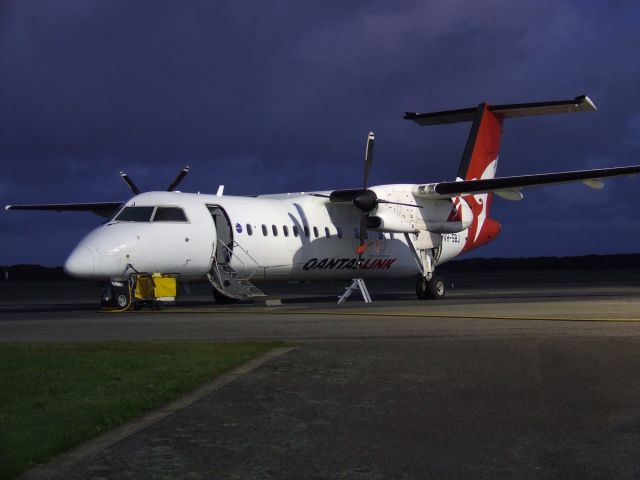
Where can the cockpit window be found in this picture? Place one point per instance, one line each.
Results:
(144, 214)
(169, 214)
(135, 214)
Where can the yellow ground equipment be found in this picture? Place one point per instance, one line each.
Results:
(153, 290)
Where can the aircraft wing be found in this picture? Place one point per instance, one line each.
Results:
(103, 209)
(509, 187)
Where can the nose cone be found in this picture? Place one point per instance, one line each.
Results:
(81, 263)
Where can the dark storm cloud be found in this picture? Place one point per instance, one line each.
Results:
(279, 96)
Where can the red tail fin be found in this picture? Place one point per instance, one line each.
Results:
(480, 161)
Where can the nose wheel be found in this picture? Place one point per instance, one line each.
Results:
(116, 296)
(434, 289)
(121, 297)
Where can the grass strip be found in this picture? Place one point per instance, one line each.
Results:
(54, 397)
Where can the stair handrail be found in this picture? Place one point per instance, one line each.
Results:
(235, 244)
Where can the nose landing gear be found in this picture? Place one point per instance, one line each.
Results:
(116, 295)
(141, 290)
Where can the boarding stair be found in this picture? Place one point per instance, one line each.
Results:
(227, 281)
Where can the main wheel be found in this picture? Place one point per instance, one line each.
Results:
(436, 288)
(421, 287)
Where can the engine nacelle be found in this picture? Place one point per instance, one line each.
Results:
(447, 227)
(389, 222)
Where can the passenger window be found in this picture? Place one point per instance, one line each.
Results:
(380, 235)
(391, 235)
(264, 230)
(295, 231)
(315, 232)
(274, 229)
(135, 214)
(356, 232)
(306, 231)
(339, 230)
(249, 230)
(326, 232)
(169, 214)
(285, 230)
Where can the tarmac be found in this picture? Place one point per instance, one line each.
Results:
(526, 375)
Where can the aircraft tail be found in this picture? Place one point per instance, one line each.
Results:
(480, 158)
(480, 161)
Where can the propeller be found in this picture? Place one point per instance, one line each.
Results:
(178, 179)
(134, 188)
(368, 158)
(364, 199)
(129, 183)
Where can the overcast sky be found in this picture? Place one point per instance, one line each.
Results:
(277, 96)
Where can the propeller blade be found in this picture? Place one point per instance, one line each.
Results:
(129, 183)
(178, 179)
(362, 246)
(368, 158)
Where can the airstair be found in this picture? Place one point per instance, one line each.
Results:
(229, 282)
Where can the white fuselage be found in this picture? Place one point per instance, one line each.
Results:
(271, 237)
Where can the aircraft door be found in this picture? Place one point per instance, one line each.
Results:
(223, 248)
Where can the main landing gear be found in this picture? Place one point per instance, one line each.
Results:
(433, 289)
(425, 248)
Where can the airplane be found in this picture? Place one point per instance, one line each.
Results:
(372, 232)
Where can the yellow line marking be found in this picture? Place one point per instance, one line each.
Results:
(389, 314)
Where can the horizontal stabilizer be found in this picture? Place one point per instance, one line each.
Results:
(103, 209)
(511, 184)
(578, 104)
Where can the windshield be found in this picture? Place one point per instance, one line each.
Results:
(169, 214)
(144, 214)
(135, 214)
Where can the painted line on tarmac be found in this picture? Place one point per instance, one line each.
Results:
(392, 314)
(485, 317)
(63, 462)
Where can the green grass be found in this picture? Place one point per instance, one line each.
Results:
(54, 397)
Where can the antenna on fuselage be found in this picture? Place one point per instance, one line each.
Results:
(220, 190)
